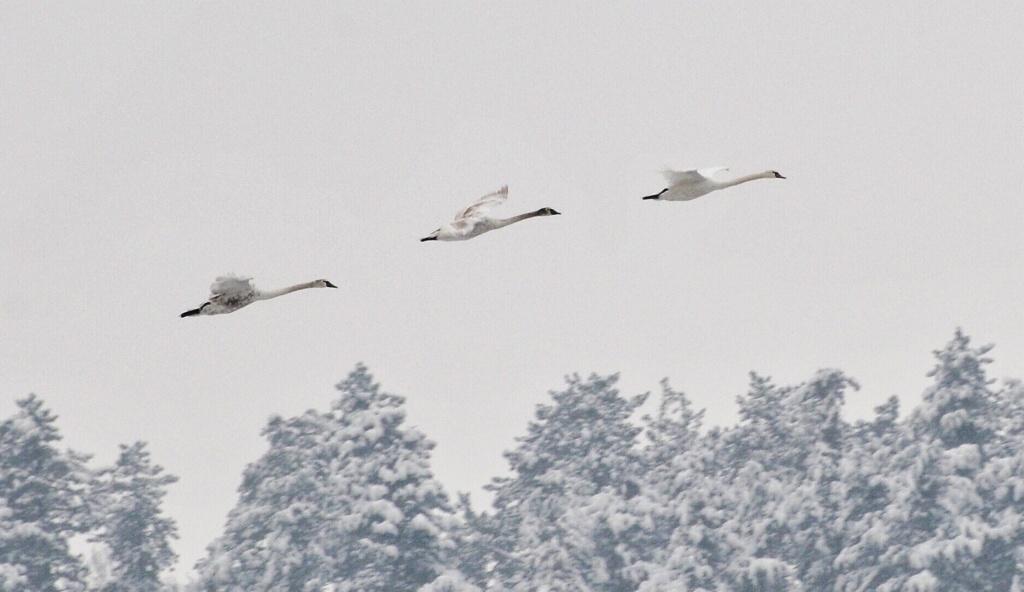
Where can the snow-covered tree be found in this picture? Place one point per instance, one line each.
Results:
(953, 520)
(755, 507)
(130, 522)
(677, 482)
(675, 429)
(786, 488)
(813, 511)
(561, 519)
(964, 525)
(474, 536)
(870, 482)
(342, 501)
(43, 503)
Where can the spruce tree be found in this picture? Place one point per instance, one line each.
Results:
(43, 503)
(679, 486)
(870, 484)
(343, 500)
(953, 521)
(131, 523)
(673, 432)
(782, 469)
(755, 507)
(560, 520)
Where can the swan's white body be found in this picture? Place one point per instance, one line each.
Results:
(229, 293)
(687, 185)
(474, 221)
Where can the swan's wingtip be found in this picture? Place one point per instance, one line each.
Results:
(712, 171)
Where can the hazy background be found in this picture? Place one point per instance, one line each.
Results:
(146, 148)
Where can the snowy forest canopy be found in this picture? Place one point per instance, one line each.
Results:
(793, 497)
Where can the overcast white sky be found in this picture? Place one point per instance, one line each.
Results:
(146, 148)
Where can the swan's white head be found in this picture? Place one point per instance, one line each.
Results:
(431, 236)
(777, 174)
(323, 284)
(547, 212)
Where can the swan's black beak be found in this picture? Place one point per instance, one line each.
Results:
(777, 175)
(329, 284)
(423, 240)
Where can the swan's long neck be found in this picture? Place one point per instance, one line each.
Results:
(744, 179)
(268, 294)
(503, 222)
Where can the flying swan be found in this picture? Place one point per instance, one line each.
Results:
(229, 293)
(473, 221)
(687, 185)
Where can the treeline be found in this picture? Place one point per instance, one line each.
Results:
(792, 498)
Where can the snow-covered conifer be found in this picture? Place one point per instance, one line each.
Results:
(951, 518)
(131, 523)
(43, 503)
(756, 506)
(677, 479)
(343, 500)
(870, 482)
(788, 450)
(562, 517)
(674, 430)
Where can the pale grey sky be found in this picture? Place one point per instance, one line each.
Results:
(146, 148)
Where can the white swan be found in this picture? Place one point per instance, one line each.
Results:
(229, 293)
(687, 185)
(473, 221)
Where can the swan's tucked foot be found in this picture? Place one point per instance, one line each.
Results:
(195, 311)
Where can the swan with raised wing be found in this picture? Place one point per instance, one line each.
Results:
(229, 293)
(687, 185)
(474, 221)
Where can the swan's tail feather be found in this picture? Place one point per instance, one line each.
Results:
(191, 313)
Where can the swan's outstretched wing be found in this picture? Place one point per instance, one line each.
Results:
(691, 176)
(228, 285)
(484, 204)
(711, 171)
